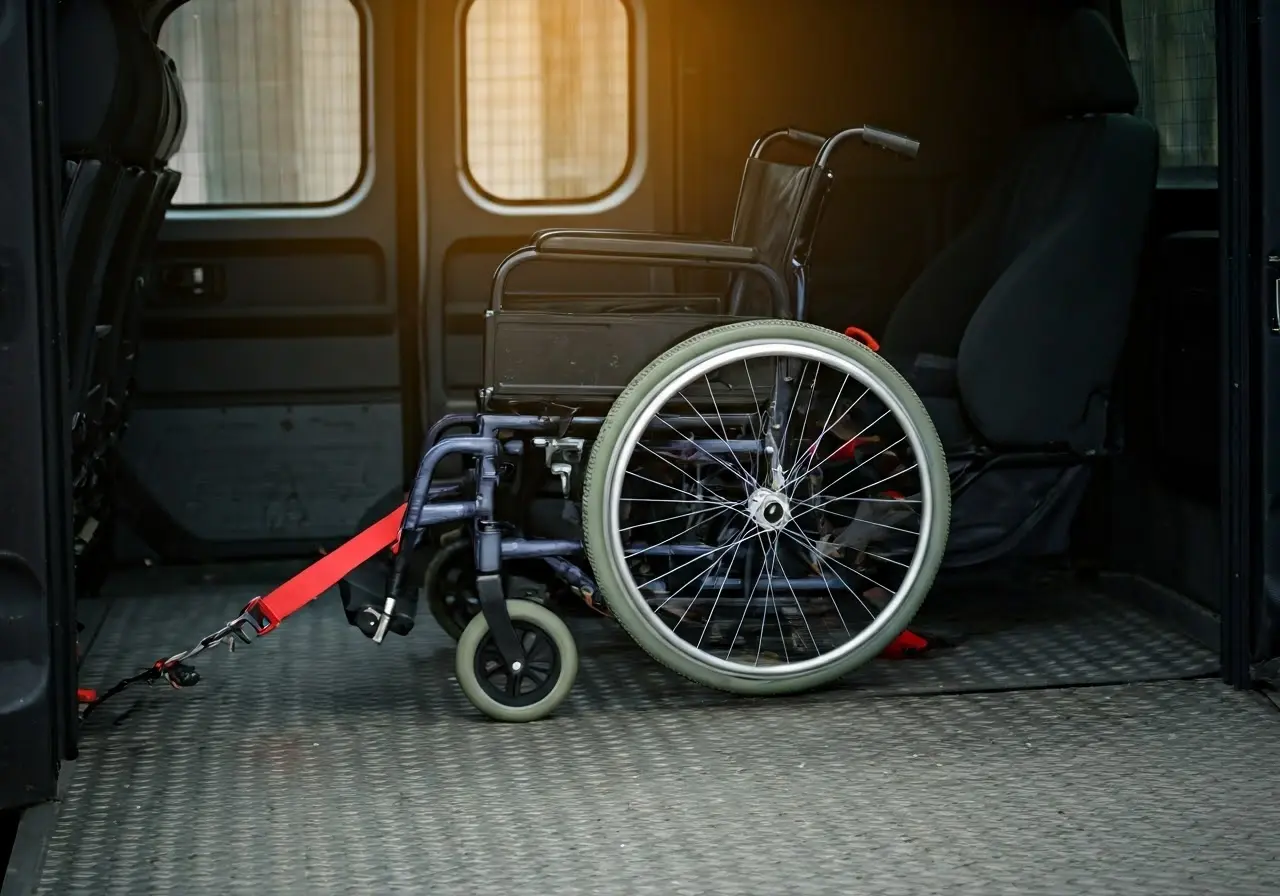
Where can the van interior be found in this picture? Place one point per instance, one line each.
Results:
(278, 224)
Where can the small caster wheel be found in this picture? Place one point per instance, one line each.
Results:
(551, 665)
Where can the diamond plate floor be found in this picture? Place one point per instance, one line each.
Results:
(314, 762)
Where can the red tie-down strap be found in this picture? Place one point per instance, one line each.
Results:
(319, 577)
(906, 645)
(264, 614)
(83, 695)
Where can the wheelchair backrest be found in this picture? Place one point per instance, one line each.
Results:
(771, 206)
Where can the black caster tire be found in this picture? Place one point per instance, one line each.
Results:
(552, 665)
(436, 588)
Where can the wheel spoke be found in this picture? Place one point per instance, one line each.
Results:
(746, 606)
(688, 563)
(723, 433)
(728, 570)
(690, 497)
(833, 561)
(820, 560)
(792, 484)
(869, 460)
(668, 519)
(668, 541)
(745, 481)
(865, 488)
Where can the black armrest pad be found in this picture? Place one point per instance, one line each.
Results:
(567, 242)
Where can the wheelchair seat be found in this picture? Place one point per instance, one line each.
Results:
(1013, 333)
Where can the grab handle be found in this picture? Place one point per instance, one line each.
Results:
(805, 137)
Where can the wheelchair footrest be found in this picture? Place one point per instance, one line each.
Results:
(363, 592)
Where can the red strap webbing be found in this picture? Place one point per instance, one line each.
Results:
(326, 572)
(862, 336)
(907, 644)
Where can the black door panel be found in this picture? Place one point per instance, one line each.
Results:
(236, 371)
(255, 280)
(270, 392)
(297, 473)
(278, 388)
(1262, 326)
(37, 636)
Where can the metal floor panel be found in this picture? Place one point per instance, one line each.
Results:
(316, 763)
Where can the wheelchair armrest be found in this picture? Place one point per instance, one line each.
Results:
(635, 245)
(620, 234)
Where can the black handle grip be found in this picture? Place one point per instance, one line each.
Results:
(899, 143)
(808, 139)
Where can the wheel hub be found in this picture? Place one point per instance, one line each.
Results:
(769, 509)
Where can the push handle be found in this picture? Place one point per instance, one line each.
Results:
(805, 137)
(899, 143)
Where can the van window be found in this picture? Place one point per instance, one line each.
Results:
(1171, 46)
(547, 98)
(275, 101)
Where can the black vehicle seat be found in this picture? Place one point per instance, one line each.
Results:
(98, 83)
(167, 183)
(1013, 332)
(1012, 335)
(121, 310)
(110, 82)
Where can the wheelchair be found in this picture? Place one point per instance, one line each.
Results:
(762, 504)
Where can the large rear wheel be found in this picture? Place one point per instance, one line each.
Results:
(787, 530)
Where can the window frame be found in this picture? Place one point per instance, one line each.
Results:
(632, 172)
(1188, 177)
(339, 205)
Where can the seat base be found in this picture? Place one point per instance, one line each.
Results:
(1014, 512)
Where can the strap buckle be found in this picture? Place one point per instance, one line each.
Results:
(230, 634)
(175, 669)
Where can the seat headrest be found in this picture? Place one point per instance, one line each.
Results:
(1075, 66)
